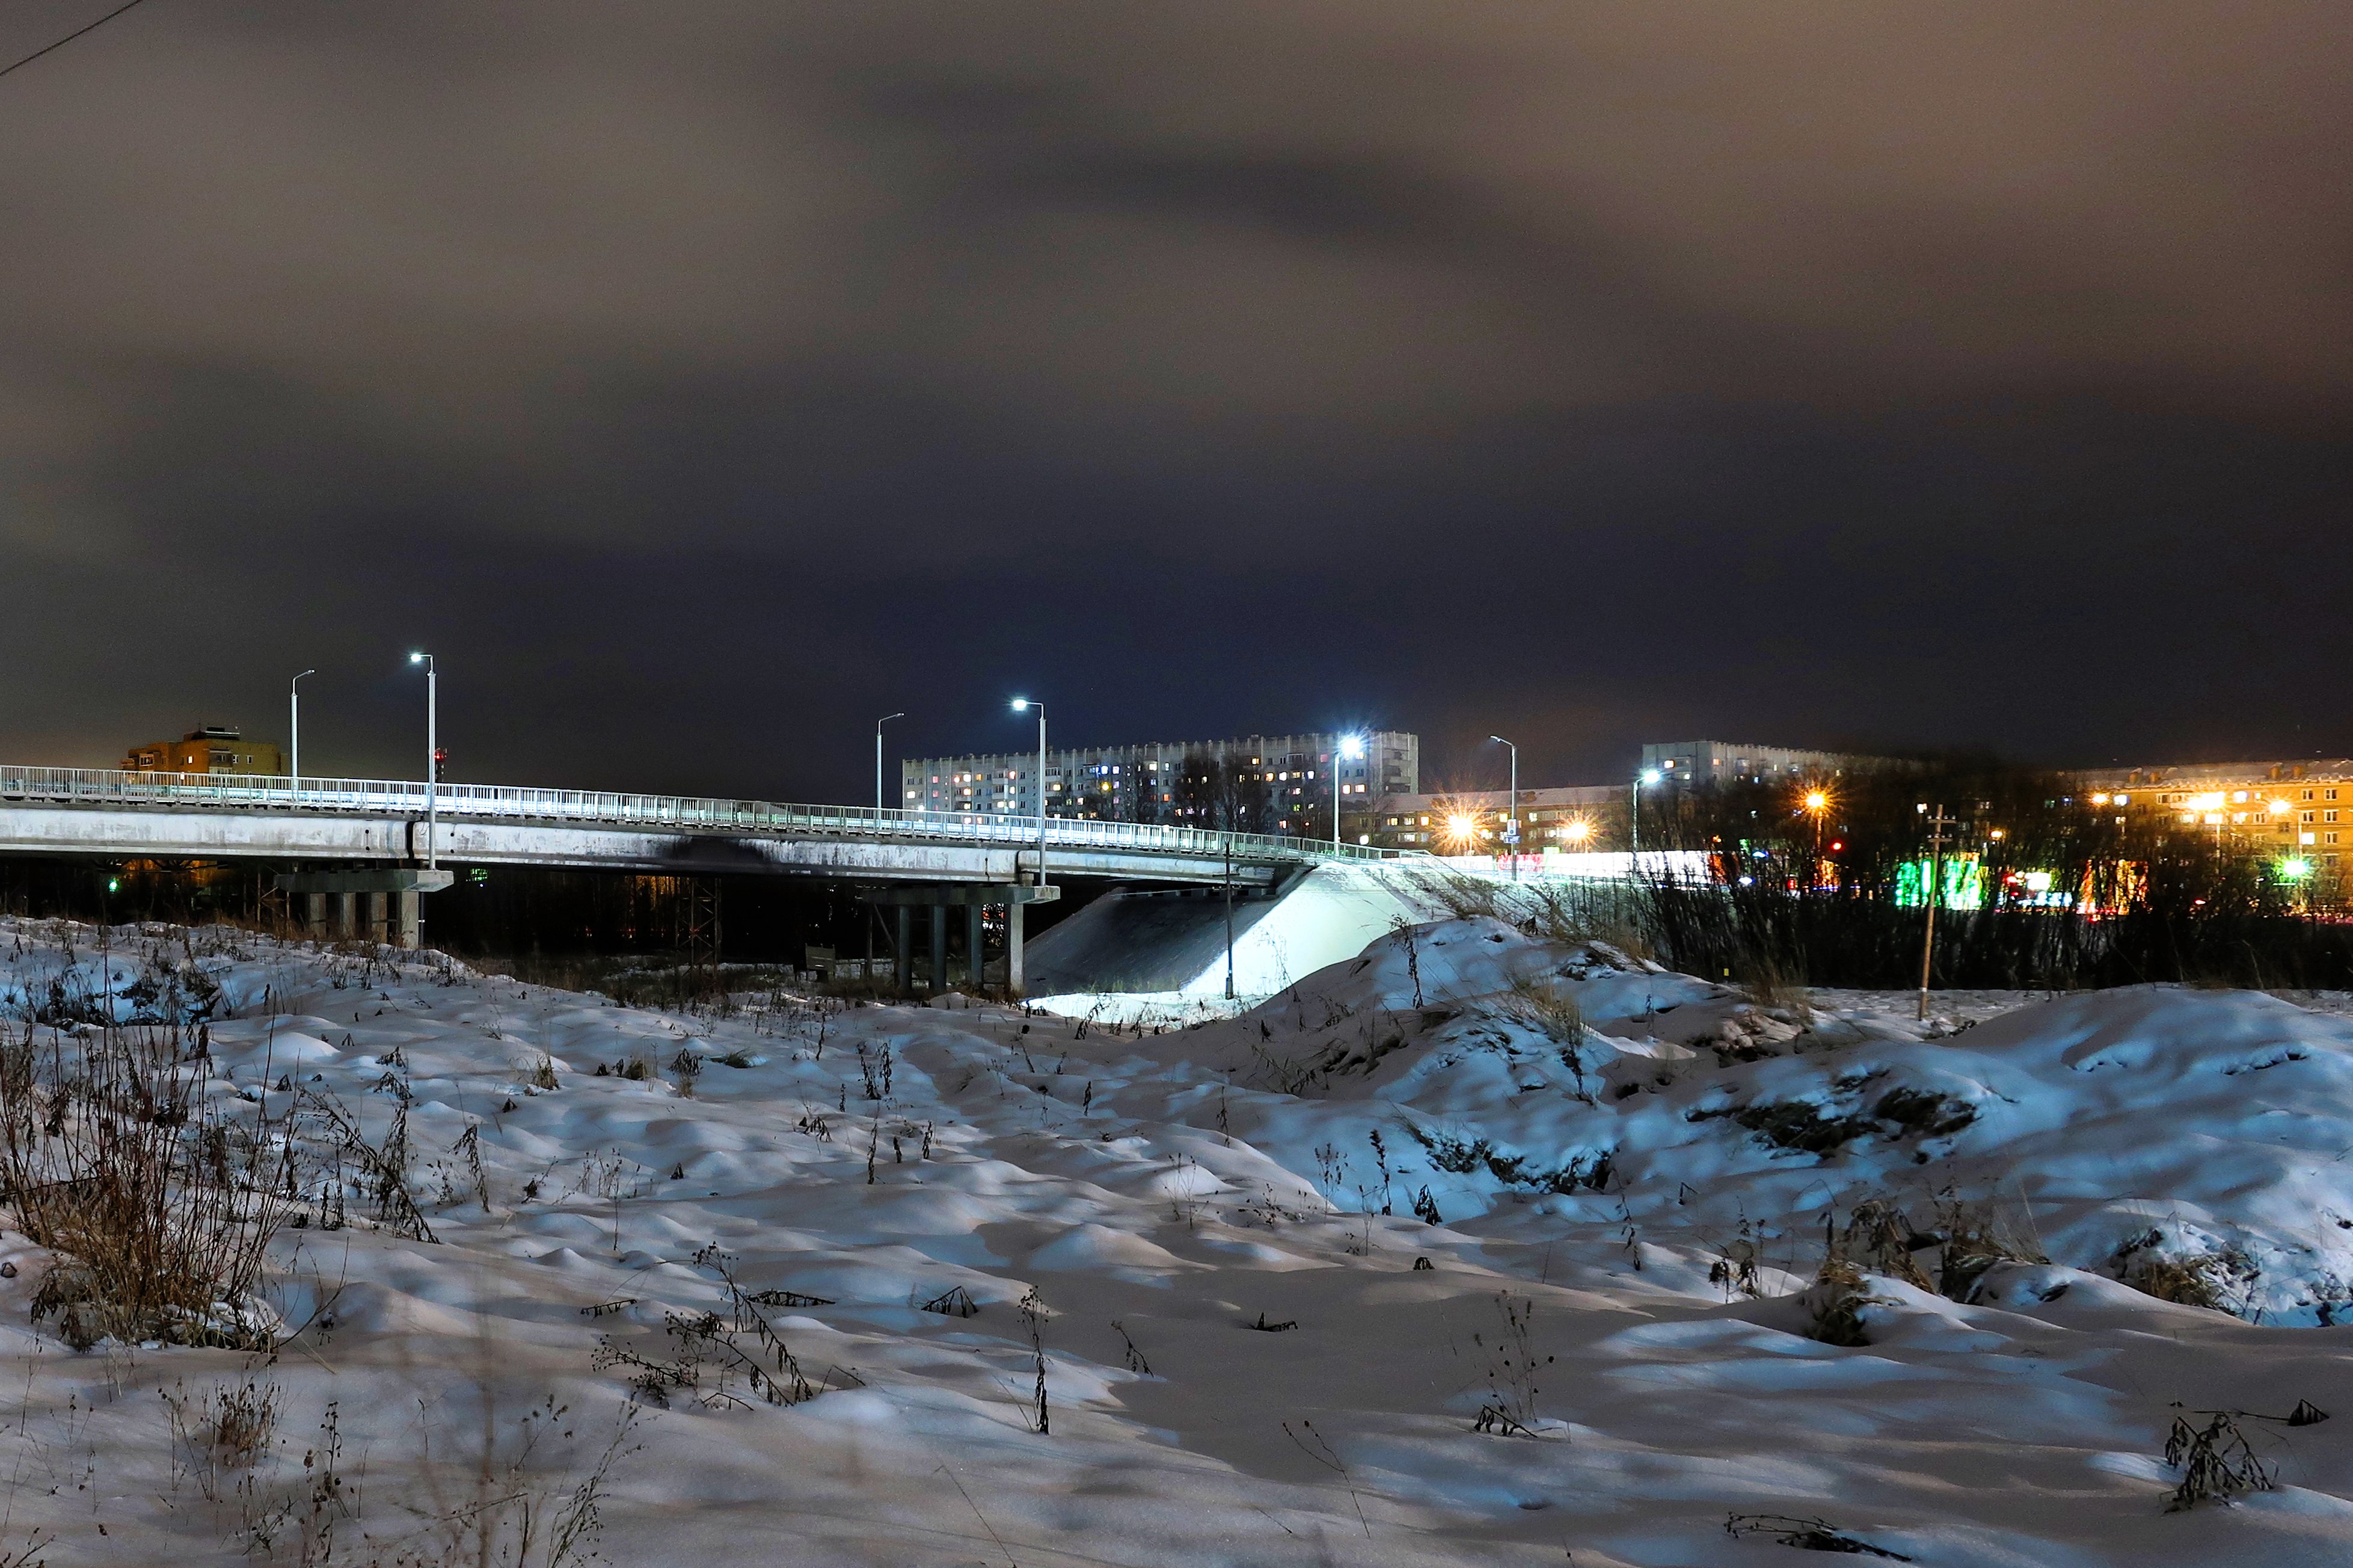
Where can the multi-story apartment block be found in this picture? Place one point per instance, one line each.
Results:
(1255, 784)
(1575, 818)
(2301, 808)
(1734, 761)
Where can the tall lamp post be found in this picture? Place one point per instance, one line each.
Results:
(1647, 776)
(294, 731)
(1023, 705)
(1512, 828)
(432, 757)
(878, 761)
(1352, 747)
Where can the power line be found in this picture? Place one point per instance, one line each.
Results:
(69, 37)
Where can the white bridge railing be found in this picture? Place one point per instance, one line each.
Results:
(104, 786)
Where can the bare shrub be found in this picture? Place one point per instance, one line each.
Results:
(1464, 898)
(228, 1427)
(1835, 1300)
(1976, 1237)
(1512, 1366)
(2215, 1462)
(543, 1072)
(160, 1207)
(1882, 1241)
(685, 1070)
(1807, 1534)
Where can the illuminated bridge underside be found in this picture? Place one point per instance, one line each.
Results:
(53, 811)
(226, 835)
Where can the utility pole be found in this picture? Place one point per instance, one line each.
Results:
(1937, 827)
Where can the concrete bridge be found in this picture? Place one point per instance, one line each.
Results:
(347, 838)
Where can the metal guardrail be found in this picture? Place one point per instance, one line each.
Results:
(104, 786)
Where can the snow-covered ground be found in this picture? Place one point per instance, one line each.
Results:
(1256, 1351)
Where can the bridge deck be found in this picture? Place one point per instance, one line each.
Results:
(102, 811)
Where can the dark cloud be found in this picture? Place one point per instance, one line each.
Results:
(700, 381)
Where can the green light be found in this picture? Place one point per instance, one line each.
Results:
(2296, 869)
(113, 885)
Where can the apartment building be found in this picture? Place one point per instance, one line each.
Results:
(2303, 808)
(1254, 783)
(1573, 818)
(1739, 761)
(215, 749)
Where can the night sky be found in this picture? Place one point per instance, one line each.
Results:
(699, 381)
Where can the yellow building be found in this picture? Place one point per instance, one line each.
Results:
(215, 749)
(2303, 809)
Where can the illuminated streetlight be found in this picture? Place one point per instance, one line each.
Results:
(1577, 831)
(1352, 747)
(1634, 838)
(432, 757)
(1023, 705)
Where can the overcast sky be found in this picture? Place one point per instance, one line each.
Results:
(701, 380)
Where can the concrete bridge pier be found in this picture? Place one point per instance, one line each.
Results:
(391, 909)
(973, 898)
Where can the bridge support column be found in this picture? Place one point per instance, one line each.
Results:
(374, 923)
(314, 916)
(939, 948)
(906, 954)
(1013, 949)
(975, 969)
(409, 932)
(341, 919)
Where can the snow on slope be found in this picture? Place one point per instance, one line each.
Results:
(1164, 1193)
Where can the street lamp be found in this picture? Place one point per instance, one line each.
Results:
(1817, 802)
(294, 731)
(878, 761)
(1352, 747)
(1634, 840)
(1512, 828)
(432, 757)
(1023, 705)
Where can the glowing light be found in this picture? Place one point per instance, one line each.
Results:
(2206, 802)
(1352, 747)
(1021, 705)
(2279, 809)
(2297, 868)
(1576, 832)
(417, 658)
(2099, 800)
(1650, 775)
(1816, 800)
